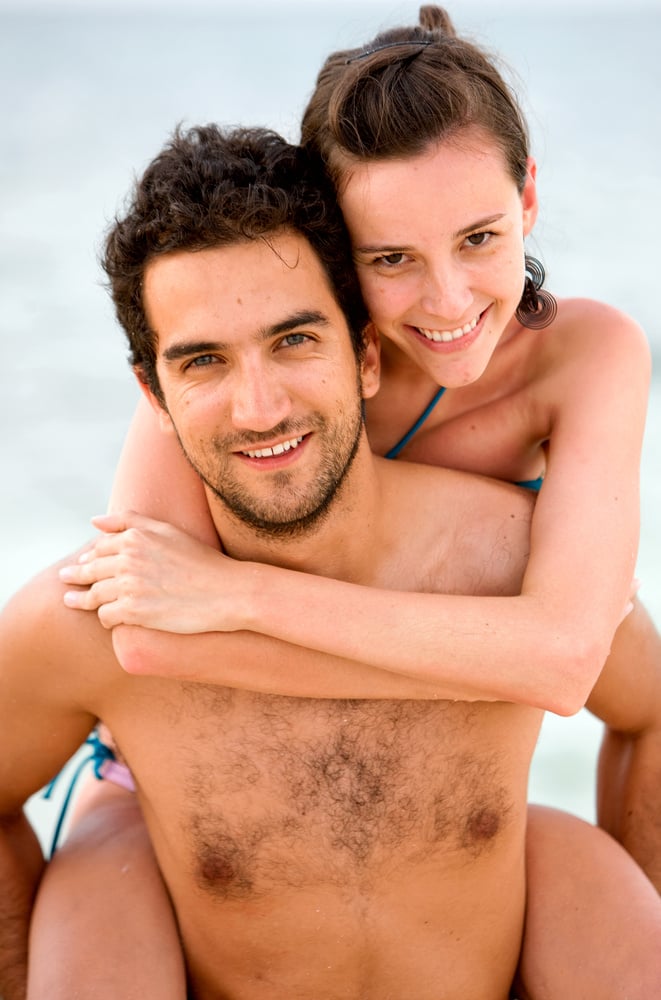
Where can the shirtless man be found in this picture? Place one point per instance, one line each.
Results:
(315, 848)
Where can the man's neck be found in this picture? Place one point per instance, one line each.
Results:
(336, 545)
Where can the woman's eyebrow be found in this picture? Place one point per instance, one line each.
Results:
(386, 248)
(480, 224)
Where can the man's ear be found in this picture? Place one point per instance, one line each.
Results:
(370, 368)
(153, 400)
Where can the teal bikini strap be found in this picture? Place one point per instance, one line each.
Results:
(98, 754)
(394, 452)
(531, 484)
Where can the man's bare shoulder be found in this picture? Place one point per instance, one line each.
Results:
(460, 492)
(49, 646)
(55, 664)
(472, 532)
(494, 534)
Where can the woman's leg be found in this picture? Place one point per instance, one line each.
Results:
(593, 922)
(103, 926)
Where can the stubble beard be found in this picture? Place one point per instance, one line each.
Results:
(306, 508)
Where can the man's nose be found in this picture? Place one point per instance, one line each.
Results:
(260, 400)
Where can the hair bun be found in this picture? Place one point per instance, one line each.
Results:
(433, 18)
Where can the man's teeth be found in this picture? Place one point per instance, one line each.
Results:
(445, 336)
(277, 449)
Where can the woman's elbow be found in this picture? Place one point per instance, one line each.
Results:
(134, 649)
(578, 664)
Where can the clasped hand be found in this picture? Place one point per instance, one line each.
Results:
(145, 572)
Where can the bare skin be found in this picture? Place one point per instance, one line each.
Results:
(306, 871)
(112, 966)
(335, 817)
(521, 403)
(586, 967)
(567, 402)
(298, 838)
(508, 420)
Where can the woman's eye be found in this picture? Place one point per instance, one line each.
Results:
(478, 239)
(391, 259)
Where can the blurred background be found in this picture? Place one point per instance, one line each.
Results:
(89, 93)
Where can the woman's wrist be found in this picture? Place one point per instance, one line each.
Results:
(250, 595)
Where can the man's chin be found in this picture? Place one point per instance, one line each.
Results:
(293, 526)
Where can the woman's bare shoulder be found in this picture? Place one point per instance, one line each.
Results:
(587, 339)
(585, 319)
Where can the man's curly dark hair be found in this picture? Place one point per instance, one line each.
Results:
(210, 187)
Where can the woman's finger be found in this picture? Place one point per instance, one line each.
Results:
(104, 592)
(83, 574)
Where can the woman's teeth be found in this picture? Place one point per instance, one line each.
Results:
(445, 336)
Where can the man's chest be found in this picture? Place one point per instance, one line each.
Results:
(256, 794)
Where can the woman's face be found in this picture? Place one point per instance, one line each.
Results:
(438, 244)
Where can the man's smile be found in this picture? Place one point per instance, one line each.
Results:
(276, 449)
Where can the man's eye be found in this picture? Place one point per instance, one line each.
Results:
(202, 362)
(294, 339)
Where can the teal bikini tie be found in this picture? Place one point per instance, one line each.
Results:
(394, 452)
(529, 484)
(99, 753)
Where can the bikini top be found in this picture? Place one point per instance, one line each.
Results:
(395, 450)
(528, 484)
(98, 755)
(531, 484)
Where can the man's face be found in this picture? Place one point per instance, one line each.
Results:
(259, 377)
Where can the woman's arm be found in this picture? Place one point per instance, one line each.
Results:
(544, 648)
(154, 477)
(547, 646)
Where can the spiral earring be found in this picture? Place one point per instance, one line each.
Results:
(537, 308)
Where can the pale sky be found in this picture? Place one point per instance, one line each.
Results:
(388, 9)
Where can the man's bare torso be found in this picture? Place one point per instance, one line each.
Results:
(363, 849)
(325, 848)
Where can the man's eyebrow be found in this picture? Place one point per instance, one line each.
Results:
(186, 348)
(386, 248)
(306, 317)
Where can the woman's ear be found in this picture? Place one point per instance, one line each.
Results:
(370, 369)
(529, 197)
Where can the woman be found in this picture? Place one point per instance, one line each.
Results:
(438, 203)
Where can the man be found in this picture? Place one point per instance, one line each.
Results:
(312, 848)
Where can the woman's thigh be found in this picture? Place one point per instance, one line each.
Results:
(593, 919)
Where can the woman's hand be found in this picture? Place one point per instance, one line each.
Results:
(148, 573)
